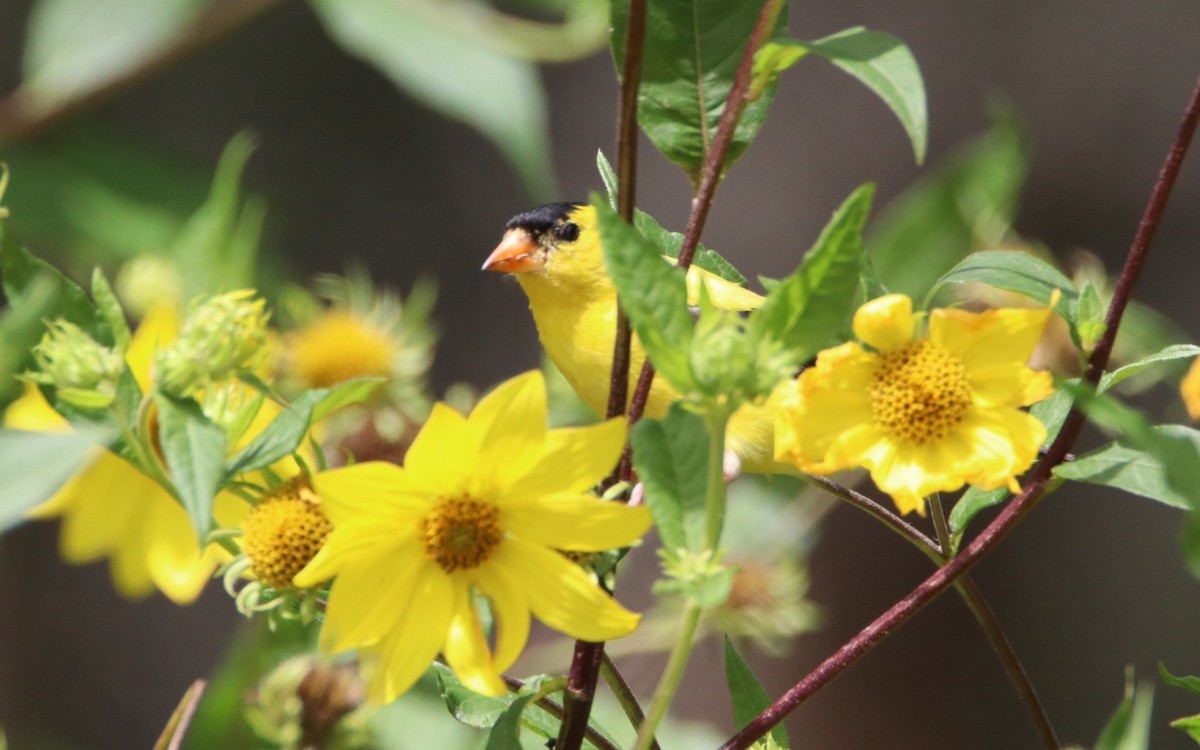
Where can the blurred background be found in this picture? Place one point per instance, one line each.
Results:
(352, 167)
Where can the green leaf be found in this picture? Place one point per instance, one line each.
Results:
(74, 47)
(1189, 724)
(972, 503)
(963, 205)
(1090, 311)
(1138, 472)
(1187, 683)
(1129, 727)
(880, 61)
(286, 431)
(506, 732)
(21, 328)
(1190, 541)
(652, 293)
(672, 242)
(1144, 332)
(20, 272)
(1052, 412)
(749, 698)
(692, 51)
(805, 312)
(670, 457)
(1015, 272)
(609, 176)
(110, 310)
(483, 712)
(194, 449)
(442, 65)
(34, 465)
(1171, 353)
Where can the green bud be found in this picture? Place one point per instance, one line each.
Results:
(148, 281)
(700, 576)
(221, 335)
(83, 371)
(720, 356)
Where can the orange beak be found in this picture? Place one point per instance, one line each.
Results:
(516, 253)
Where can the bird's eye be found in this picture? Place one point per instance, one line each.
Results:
(567, 231)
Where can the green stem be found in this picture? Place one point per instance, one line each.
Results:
(715, 422)
(940, 526)
(672, 675)
(624, 695)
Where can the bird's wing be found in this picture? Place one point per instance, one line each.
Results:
(726, 295)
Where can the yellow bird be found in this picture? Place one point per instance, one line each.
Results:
(555, 253)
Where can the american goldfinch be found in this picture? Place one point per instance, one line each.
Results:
(555, 253)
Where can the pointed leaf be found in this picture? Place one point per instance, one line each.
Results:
(805, 312)
(109, 309)
(20, 272)
(194, 450)
(1138, 472)
(749, 697)
(34, 465)
(692, 51)
(1177, 351)
(1015, 272)
(670, 457)
(672, 242)
(1187, 683)
(1129, 727)
(652, 293)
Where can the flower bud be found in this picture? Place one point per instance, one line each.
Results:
(221, 335)
(720, 355)
(83, 372)
(148, 281)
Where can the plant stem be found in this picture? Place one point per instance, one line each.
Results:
(940, 526)
(624, 695)
(554, 709)
(1027, 500)
(585, 663)
(669, 683)
(715, 423)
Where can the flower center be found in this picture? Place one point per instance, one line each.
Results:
(920, 393)
(284, 532)
(461, 533)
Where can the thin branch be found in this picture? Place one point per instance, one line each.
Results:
(553, 708)
(1027, 500)
(21, 117)
(624, 695)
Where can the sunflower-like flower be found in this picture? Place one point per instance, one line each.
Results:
(480, 507)
(923, 414)
(110, 509)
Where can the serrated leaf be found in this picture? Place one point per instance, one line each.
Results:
(193, 447)
(1014, 272)
(652, 293)
(1169, 354)
(883, 63)
(672, 242)
(804, 312)
(670, 456)
(749, 697)
(34, 465)
(964, 204)
(109, 309)
(1137, 472)
(692, 51)
(1187, 683)
(286, 431)
(74, 47)
(443, 66)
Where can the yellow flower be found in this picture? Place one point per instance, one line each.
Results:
(110, 509)
(923, 414)
(339, 346)
(481, 506)
(1189, 389)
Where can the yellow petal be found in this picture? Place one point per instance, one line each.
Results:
(1009, 385)
(573, 460)
(351, 543)
(511, 423)
(575, 522)
(466, 649)
(993, 337)
(158, 328)
(408, 649)
(510, 610)
(563, 596)
(365, 601)
(886, 323)
(375, 489)
(1189, 390)
(443, 456)
(33, 412)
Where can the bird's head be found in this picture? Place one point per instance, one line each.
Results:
(557, 243)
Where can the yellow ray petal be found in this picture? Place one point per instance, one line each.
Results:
(408, 650)
(993, 337)
(364, 601)
(573, 460)
(576, 522)
(158, 328)
(375, 489)
(444, 454)
(562, 595)
(885, 323)
(353, 542)
(510, 610)
(511, 423)
(466, 648)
